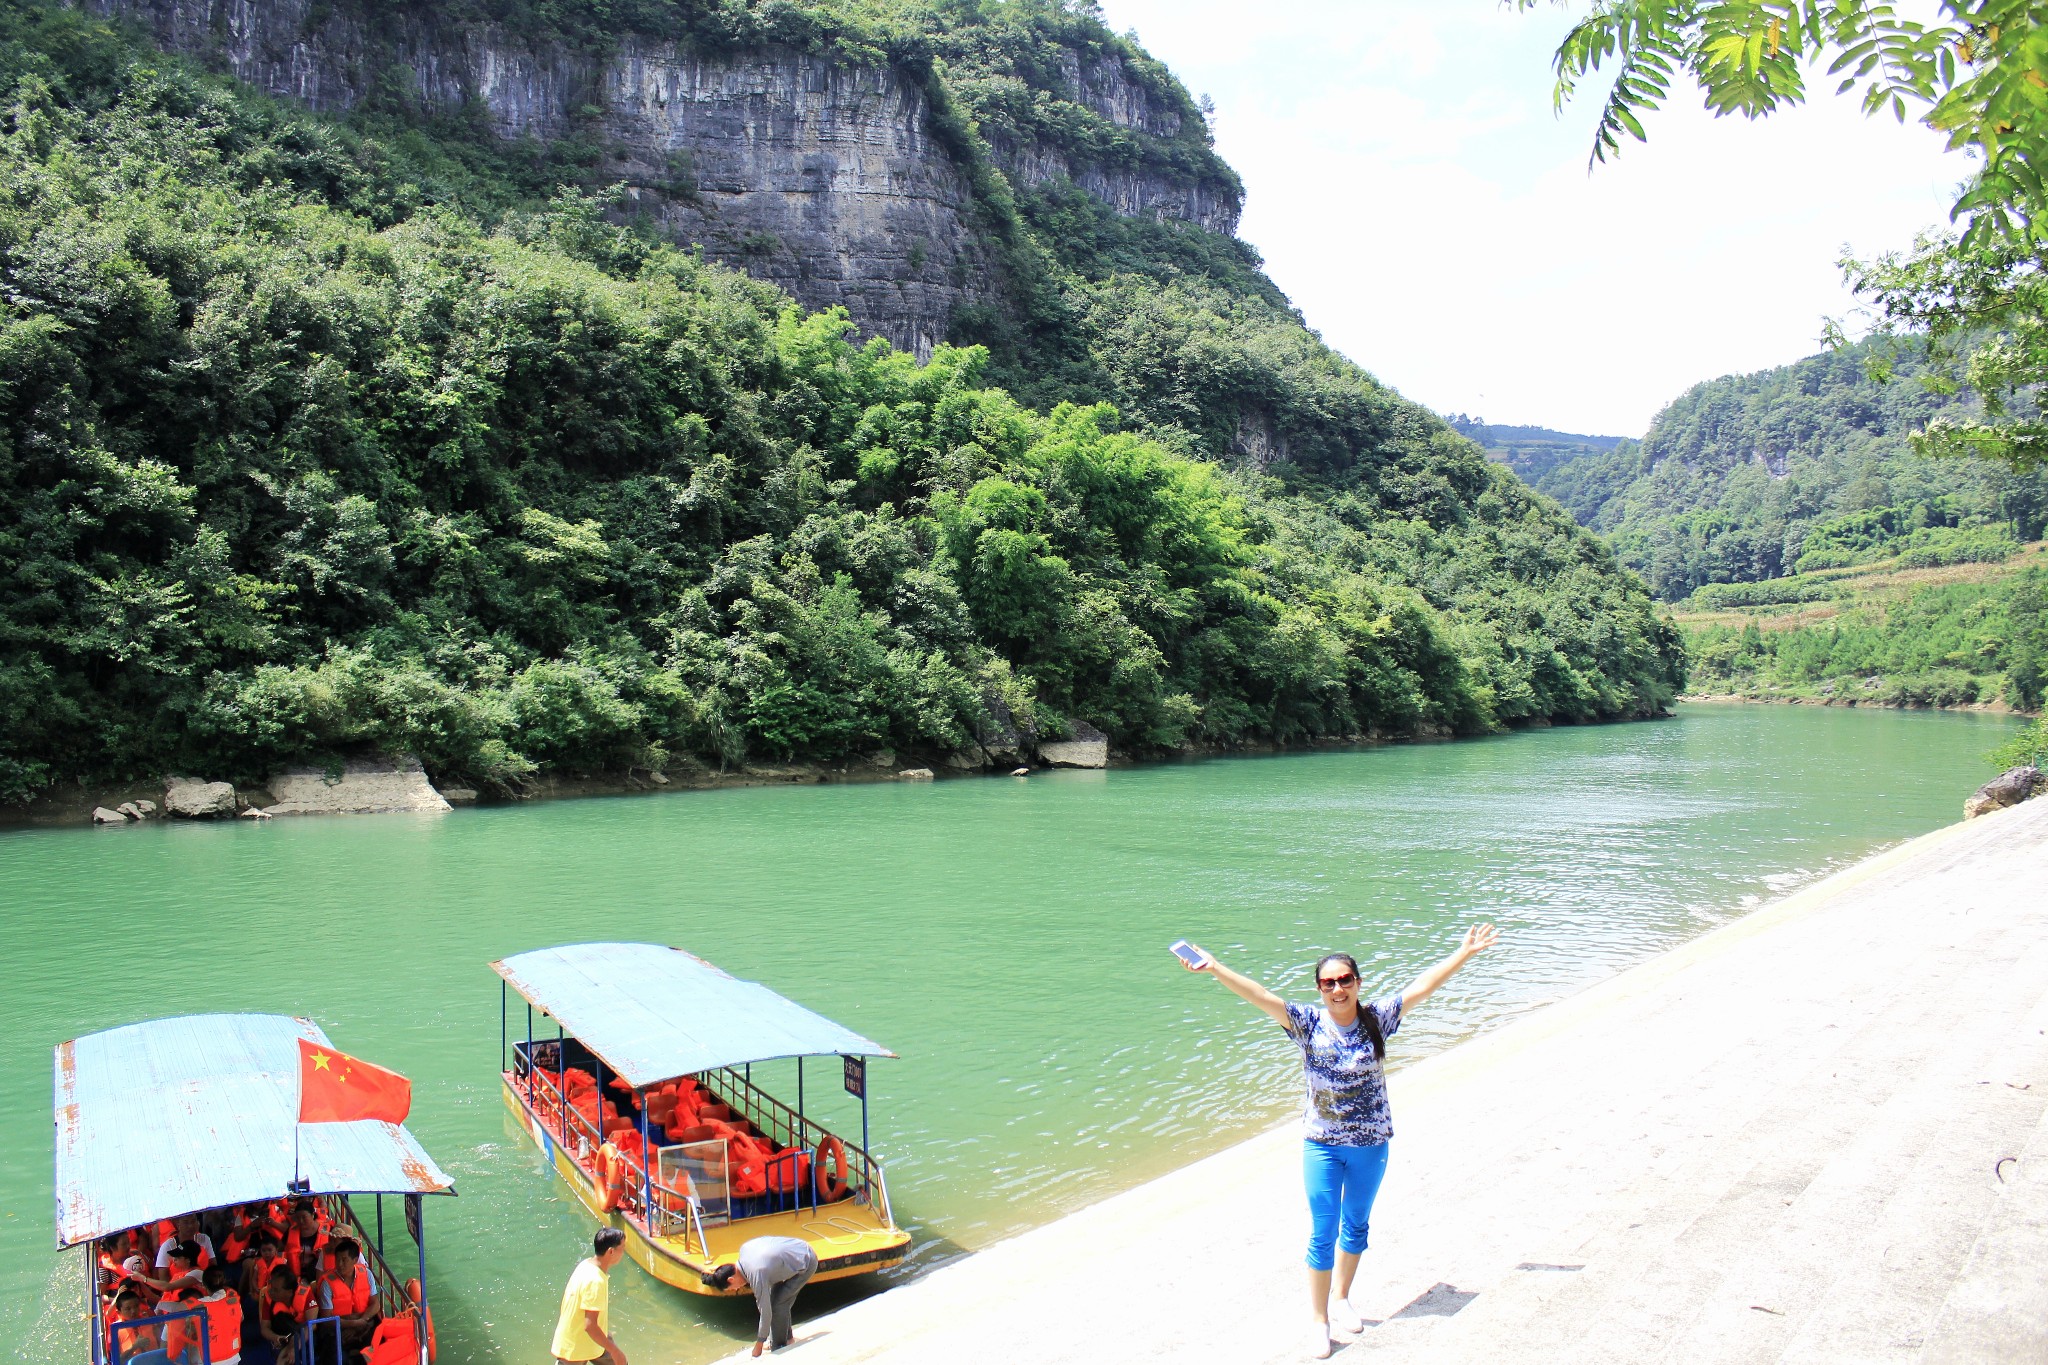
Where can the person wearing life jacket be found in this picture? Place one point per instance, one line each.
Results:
(223, 1320)
(185, 1228)
(283, 1306)
(180, 1261)
(244, 1226)
(350, 1294)
(307, 1239)
(263, 1258)
(131, 1341)
(183, 1337)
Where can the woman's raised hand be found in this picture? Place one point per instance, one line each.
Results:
(1206, 963)
(1478, 939)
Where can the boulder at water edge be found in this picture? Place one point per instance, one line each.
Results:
(2009, 788)
(1085, 747)
(371, 785)
(102, 816)
(193, 798)
(917, 775)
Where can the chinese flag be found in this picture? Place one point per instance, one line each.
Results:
(337, 1088)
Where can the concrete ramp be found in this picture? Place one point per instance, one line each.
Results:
(1818, 1134)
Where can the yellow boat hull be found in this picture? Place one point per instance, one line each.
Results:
(850, 1238)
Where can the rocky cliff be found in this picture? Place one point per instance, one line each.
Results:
(834, 180)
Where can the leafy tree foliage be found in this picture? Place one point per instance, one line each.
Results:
(1969, 307)
(317, 436)
(1972, 68)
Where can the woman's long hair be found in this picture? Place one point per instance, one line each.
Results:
(1367, 1015)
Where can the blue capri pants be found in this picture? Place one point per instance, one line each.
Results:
(1342, 1183)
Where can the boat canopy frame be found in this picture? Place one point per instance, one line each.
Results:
(220, 1096)
(619, 1000)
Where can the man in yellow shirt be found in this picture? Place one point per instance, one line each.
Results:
(584, 1330)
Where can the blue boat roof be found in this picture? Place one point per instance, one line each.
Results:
(178, 1115)
(652, 1013)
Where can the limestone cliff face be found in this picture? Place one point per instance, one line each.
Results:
(1106, 87)
(828, 180)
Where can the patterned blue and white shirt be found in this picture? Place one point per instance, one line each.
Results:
(1347, 1089)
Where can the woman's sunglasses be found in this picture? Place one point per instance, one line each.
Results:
(1336, 983)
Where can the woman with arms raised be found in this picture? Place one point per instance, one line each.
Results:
(1348, 1126)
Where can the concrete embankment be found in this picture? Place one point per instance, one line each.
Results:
(1816, 1134)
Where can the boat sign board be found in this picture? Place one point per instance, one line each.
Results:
(856, 1076)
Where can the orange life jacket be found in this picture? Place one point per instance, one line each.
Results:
(294, 1249)
(789, 1171)
(180, 1335)
(352, 1296)
(235, 1245)
(133, 1340)
(265, 1265)
(746, 1165)
(305, 1304)
(223, 1325)
(395, 1342)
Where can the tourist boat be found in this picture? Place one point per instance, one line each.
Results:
(652, 1053)
(199, 1114)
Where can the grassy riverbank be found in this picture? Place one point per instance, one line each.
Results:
(1883, 634)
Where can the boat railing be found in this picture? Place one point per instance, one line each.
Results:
(789, 1128)
(307, 1337)
(690, 1189)
(391, 1295)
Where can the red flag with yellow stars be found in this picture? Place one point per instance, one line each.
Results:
(337, 1088)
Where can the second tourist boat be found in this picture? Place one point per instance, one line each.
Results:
(643, 1099)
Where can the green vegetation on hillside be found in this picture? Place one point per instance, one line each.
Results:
(1887, 635)
(317, 436)
(1806, 466)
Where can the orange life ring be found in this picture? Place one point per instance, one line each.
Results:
(611, 1164)
(828, 1169)
(412, 1294)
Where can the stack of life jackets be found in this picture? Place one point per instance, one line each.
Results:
(686, 1112)
(397, 1340)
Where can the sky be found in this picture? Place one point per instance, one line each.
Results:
(1413, 192)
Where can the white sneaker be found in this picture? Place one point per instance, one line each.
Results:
(1319, 1342)
(1345, 1318)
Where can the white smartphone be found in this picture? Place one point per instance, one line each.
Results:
(1190, 954)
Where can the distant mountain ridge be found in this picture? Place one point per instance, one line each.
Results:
(1531, 452)
(1801, 467)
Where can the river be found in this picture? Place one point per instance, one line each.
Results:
(1007, 937)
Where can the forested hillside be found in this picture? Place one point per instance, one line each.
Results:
(323, 433)
(1803, 467)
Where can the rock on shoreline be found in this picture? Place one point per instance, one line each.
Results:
(363, 786)
(2009, 788)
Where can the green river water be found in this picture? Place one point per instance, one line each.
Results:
(1007, 937)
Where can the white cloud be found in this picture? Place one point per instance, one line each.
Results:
(1411, 190)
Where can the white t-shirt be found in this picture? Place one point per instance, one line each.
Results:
(163, 1253)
